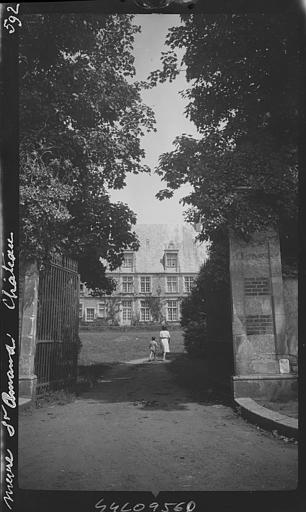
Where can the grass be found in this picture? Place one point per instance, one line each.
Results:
(207, 379)
(110, 346)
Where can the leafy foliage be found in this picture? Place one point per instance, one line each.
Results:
(243, 189)
(113, 310)
(243, 98)
(206, 312)
(155, 305)
(81, 122)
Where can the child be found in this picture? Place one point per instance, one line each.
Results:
(153, 348)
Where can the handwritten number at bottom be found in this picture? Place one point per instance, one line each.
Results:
(140, 507)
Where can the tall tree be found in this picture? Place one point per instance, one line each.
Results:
(81, 122)
(243, 72)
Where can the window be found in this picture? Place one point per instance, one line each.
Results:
(145, 315)
(126, 309)
(172, 310)
(128, 260)
(81, 289)
(80, 310)
(172, 284)
(127, 284)
(171, 260)
(145, 284)
(90, 314)
(188, 281)
(102, 309)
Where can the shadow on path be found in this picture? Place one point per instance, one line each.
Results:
(156, 385)
(151, 426)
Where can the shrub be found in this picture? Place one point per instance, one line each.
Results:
(195, 338)
(206, 312)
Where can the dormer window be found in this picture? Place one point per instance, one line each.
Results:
(171, 259)
(171, 256)
(128, 260)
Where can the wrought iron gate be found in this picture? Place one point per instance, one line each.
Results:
(57, 325)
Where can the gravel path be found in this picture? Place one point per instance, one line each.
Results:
(137, 429)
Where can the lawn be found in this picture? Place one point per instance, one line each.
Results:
(112, 345)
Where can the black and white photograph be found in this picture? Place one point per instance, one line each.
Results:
(153, 270)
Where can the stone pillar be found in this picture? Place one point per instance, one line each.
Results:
(258, 315)
(27, 378)
(277, 296)
(291, 311)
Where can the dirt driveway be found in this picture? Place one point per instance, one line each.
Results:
(138, 429)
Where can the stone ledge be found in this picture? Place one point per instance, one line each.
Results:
(265, 376)
(24, 403)
(268, 419)
(27, 385)
(271, 386)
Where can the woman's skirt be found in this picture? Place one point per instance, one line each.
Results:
(165, 345)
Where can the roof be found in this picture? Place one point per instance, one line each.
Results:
(155, 239)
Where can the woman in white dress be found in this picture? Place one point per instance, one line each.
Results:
(164, 337)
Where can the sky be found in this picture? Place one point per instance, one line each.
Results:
(168, 106)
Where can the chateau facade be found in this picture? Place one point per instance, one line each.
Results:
(152, 281)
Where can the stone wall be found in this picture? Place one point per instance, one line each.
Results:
(264, 323)
(291, 310)
(258, 310)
